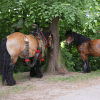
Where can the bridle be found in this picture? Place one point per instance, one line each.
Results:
(70, 41)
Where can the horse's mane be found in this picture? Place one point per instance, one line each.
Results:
(46, 34)
(79, 39)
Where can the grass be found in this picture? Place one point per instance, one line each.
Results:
(86, 76)
(17, 89)
(17, 76)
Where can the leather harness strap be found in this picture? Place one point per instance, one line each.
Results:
(27, 49)
(38, 51)
(27, 52)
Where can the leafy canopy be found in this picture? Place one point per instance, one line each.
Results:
(77, 14)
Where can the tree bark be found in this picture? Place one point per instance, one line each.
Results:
(55, 62)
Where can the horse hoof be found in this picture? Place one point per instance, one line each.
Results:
(83, 72)
(88, 71)
(39, 75)
(11, 82)
(32, 74)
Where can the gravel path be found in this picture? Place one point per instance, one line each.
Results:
(45, 89)
(91, 93)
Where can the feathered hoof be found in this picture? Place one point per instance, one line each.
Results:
(32, 74)
(40, 75)
(88, 71)
(11, 82)
(83, 72)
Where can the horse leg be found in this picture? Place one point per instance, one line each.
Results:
(86, 67)
(32, 70)
(38, 69)
(6, 64)
(10, 80)
(36, 72)
(84, 70)
(89, 67)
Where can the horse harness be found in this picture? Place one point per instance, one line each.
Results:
(40, 50)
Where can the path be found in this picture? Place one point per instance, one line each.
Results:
(91, 93)
(46, 89)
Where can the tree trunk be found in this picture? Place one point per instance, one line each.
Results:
(55, 62)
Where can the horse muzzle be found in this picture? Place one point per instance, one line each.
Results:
(51, 47)
(67, 44)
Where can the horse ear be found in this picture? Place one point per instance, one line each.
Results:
(68, 32)
(50, 33)
(37, 30)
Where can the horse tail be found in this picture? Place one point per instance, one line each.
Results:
(4, 60)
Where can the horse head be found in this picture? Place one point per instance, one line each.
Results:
(50, 41)
(46, 36)
(69, 37)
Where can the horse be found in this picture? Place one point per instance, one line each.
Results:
(24, 46)
(85, 47)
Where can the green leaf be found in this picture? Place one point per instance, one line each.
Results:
(46, 25)
(46, 20)
(95, 21)
(56, 15)
(31, 12)
(90, 26)
(94, 30)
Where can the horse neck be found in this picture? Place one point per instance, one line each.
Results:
(79, 39)
(76, 38)
(46, 34)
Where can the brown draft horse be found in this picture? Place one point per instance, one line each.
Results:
(85, 46)
(13, 46)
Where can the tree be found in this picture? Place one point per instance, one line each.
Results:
(48, 14)
(55, 55)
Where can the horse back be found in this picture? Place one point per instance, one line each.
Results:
(94, 47)
(16, 45)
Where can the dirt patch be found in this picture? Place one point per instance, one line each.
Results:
(44, 88)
